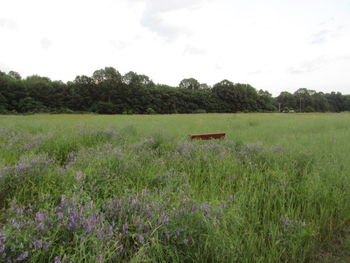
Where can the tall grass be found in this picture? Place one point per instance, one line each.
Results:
(135, 189)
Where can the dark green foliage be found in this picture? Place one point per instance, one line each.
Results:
(105, 108)
(109, 92)
(191, 84)
(28, 104)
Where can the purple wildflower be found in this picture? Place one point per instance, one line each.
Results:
(38, 244)
(79, 175)
(166, 220)
(100, 234)
(125, 228)
(23, 256)
(276, 148)
(39, 217)
(193, 208)
(121, 249)
(2, 248)
(46, 245)
(59, 215)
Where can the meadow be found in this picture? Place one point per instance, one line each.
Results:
(134, 188)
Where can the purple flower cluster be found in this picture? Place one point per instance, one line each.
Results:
(21, 141)
(2, 245)
(190, 149)
(289, 223)
(258, 147)
(148, 142)
(185, 149)
(127, 224)
(28, 232)
(8, 131)
(35, 141)
(101, 152)
(26, 165)
(249, 149)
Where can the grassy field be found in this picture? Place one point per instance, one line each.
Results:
(89, 188)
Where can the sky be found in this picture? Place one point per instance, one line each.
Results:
(274, 45)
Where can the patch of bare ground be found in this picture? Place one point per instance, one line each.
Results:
(338, 251)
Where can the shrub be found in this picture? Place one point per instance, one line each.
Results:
(200, 111)
(105, 108)
(150, 111)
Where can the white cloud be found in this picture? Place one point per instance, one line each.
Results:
(258, 42)
(45, 43)
(8, 23)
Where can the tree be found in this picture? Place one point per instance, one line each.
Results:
(286, 99)
(191, 84)
(3, 104)
(108, 82)
(105, 108)
(13, 90)
(303, 98)
(108, 73)
(336, 101)
(236, 97)
(40, 89)
(265, 101)
(204, 86)
(28, 104)
(319, 102)
(15, 75)
(108, 92)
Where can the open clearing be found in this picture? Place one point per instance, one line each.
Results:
(133, 188)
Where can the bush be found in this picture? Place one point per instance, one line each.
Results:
(28, 104)
(64, 111)
(3, 110)
(105, 108)
(150, 111)
(309, 109)
(200, 111)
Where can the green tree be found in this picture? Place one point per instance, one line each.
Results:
(190, 83)
(286, 99)
(15, 75)
(28, 104)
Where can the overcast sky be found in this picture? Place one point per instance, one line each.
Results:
(275, 45)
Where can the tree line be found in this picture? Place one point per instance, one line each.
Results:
(109, 92)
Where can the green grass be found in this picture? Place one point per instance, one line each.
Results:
(92, 188)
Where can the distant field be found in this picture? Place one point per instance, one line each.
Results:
(133, 188)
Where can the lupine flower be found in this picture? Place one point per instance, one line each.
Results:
(60, 215)
(122, 249)
(125, 228)
(38, 244)
(79, 175)
(141, 239)
(100, 234)
(193, 208)
(117, 221)
(276, 148)
(23, 256)
(2, 248)
(40, 217)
